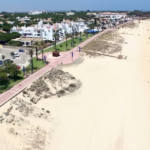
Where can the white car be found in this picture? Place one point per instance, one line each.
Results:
(16, 54)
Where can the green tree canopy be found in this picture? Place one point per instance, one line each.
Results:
(3, 76)
(6, 37)
(12, 70)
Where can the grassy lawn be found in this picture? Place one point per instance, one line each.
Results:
(10, 84)
(37, 64)
(62, 46)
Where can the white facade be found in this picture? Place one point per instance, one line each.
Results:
(37, 31)
(46, 31)
(70, 13)
(112, 15)
(35, 12)
(23, 18)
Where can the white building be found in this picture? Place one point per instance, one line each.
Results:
(38, 31)
(91, 13)
(70, 13)
(46, 31)
(23, 19)
(112, 15)
(35, 12)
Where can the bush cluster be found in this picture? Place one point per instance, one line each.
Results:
(9, 71)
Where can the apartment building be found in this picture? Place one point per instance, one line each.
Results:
(46, 31)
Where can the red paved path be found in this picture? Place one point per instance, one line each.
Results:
(65, 58)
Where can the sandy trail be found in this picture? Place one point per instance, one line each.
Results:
(111, 110)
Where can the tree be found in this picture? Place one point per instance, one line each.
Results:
(36, 45)
(36, 51)
(3, 77)
(3, 57)
(80, 39)
(66, 36)
(92, 26)
(15, 43)
(72, 42)
(56, 36)
(6, 37)
(42, 46)
(31, 55)
(12, 70)
(76, 33)
(86, 33)
(6, 27)
(12, 54)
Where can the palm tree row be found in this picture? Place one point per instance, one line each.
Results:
(31, 60)
(39, 46)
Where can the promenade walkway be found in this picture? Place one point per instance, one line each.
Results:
(65, 58)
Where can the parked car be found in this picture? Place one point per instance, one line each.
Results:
(1, 62)
(16, 54)
(92, 31)
(21, 50)
(8, 61)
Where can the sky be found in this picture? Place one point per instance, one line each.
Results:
(56, 5)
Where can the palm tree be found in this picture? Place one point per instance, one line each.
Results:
(72, 42)
(42, 46)
(86, 33)
(36, 45)
(3, 57)
(80, 39)
(66, 36)
(31, 55)
(56, 36)
(76, 33)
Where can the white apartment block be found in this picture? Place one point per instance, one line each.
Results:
(112, 16)
(35, 12)
(37, 31)
(46, 31)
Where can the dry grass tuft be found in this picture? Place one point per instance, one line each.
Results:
(130, 25)
(108, 43)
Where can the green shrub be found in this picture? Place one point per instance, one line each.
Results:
(12, 70)
(3, 77)
(6, 37)
(15, 43)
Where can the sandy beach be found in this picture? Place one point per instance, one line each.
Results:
(110, 111)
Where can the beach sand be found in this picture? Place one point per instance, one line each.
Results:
(110, 111)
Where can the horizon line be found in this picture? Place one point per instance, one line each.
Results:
(87, 10)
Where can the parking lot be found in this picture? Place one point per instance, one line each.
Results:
(19, 55)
